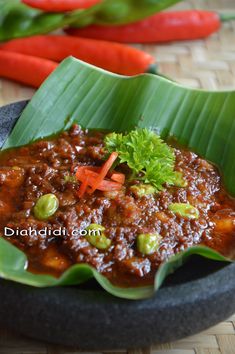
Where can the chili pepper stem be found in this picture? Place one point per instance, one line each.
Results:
(152, 69)
(226, 17)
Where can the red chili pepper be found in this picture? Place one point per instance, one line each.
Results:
(83, 187)
(60, 5)
(163, 27)
(93, 178)
(82, 169)
(115, 57)
(118, 177)
(25, 69)
(105, 169)
(105, 185)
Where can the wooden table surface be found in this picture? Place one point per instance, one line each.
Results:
(208, 64)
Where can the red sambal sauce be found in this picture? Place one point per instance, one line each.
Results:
(48, 166)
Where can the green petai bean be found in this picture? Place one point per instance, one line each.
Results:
(141, 190)
(184, 209)
(179, 180)
(148, 243)
(96, 237)
(46, 206)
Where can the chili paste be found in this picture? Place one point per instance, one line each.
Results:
(48, 167)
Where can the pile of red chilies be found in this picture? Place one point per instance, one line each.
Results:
(30, 60)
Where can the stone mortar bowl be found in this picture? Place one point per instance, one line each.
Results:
(199, 295)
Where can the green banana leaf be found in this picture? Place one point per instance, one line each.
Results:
(78, 92)
(18, 20)
(13, 264)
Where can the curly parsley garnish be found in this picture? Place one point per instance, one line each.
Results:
(151, 160)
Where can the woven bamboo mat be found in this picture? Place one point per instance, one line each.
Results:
(208, 64)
